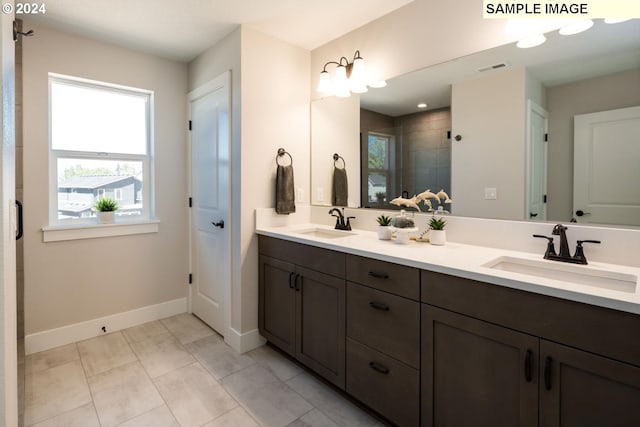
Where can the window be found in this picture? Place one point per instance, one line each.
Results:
(378, 169)
(100, 146)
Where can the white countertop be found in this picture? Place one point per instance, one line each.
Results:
(467, 261)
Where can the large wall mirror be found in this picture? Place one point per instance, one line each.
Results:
(550, 133)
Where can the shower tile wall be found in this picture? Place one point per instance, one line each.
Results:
(19, 244)
(426, 151)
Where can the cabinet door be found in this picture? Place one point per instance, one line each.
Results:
(476, 374)
(320, 313)
(581, 389)
(276, 311)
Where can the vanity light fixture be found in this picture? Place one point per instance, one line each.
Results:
(349, 77)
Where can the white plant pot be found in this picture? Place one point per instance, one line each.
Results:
(106, 217)
(437, 237)
(384, 232)
(403, 235)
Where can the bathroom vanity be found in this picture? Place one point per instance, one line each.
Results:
(421, 339)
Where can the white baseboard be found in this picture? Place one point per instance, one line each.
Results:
(45, 340)
(243, 342)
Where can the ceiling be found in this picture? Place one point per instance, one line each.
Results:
(602, 50)
(182, 29)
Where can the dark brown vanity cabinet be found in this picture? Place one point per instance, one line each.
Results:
(383, 338)
(302, 310)
(475, 373)
(497, 363)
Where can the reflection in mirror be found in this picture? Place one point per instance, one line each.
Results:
(514, 110)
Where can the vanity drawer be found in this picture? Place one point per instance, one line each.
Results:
(385, 322)
(388, 277)
(318, 259)
(381, 382)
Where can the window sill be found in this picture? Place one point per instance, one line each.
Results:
(60, 233)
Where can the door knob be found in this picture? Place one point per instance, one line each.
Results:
(580, 212)
(219, 223)
(532, 215)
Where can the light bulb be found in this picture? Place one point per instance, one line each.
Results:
(615, 20)
(324, 85)
(341, 83)
(532, 41)
(576, 27)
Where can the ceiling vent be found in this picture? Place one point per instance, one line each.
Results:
(493, 67)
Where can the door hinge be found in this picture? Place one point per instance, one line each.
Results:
(190, 278)
(190, 124)
(546, 137)
(544, 199)
(190, 202)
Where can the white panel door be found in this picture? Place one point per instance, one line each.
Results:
(536, 163)
(210, 181)
(606, 170)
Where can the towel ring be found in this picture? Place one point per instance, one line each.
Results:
(337, 157)
(282, 152)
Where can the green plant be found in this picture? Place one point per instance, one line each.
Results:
(106, 204)
(384, 220)
(380, 195)
(437, 223)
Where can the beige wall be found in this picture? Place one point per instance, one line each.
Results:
(489, 114)
(74, 281)
(619, 90)
(270, 105)
(275, 113)
(335, 129)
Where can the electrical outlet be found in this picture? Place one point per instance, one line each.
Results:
(320, 194)
(300, 195)
(490, 193)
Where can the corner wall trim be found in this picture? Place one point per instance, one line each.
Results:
(45, 340)
(243, 342)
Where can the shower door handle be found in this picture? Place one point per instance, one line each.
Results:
(20, 230)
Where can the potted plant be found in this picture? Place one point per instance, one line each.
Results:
(437, 234)
(384, 229)
(380, 197)
(105, 208)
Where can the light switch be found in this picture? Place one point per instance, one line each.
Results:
(490, 193)
(300, 195)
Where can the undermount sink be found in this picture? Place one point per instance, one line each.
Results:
(581, 275)
(325, 233)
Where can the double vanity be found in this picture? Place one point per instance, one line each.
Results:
(457, 335)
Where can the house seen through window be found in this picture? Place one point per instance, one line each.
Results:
(100, 147)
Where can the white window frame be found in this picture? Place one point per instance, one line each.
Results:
(148, 186)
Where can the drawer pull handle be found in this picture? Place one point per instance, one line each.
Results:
(378, 275)
(547, 373)
(291, 286)
(379, 306)
(378, 367)
(527, 366)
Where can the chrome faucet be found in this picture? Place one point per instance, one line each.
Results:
(340, 223)
(564, 255)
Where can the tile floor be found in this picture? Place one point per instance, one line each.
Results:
(176, 372)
